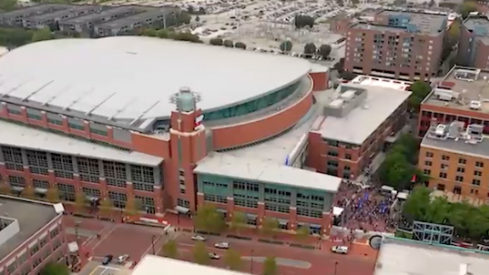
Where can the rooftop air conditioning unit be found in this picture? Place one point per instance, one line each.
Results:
(440, 129)
(475, 105)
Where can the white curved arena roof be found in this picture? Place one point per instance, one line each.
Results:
(134, 77)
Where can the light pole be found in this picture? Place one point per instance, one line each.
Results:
(251, 262)
(153, 244)
(335, 267)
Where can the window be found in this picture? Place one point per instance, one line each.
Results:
(98, 129)
(34, 114)
(478, 173)
(89, 169)
(43, 184)
(427, 172)
(34, 249)
(38, 162)
(143, 174)
(479, 164)
(147, 204)
(459, 178)
(443, 175)
(115, 173)
(460, 170)
(428, 163)
(143, 187)
(462, 161)
(55, 119)
(333, 153)
(11, 268)
(62, 166)
(53, 233)
(445, 157)
(245, 186)
(476, 182)
(429, 154)
(92, 192)
(183, 203)
(118, 199)
(66, 191)
(16, 181)
(13, 158)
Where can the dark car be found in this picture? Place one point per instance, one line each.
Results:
(107, 259)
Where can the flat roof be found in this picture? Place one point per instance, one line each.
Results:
(403, 257)
(35, 139)
(382, 82)
(125, 83)
(60, 13)
(34, 9)
(226, 165)
(356, 126)
(276, 150)
(467, 90)
(135, 18)
(155, 265)
(479, 26)
(31, 217)
(459, 146)
(103, 14)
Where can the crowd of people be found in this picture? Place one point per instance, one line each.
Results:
(364, 207)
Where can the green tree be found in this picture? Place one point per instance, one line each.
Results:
(270, 266)
(150, 32)
(200, 253)
(302, 233)
(310, 49)
(324, 50)
(238, 222)
(8, 5)
(186, 36)
(55, 269)
(106, 207)
(42, 35)
(301, 21)
(467, 7)
(29, 192)
(170, 249)
(228, 44)
(133, 206)
(420, 90)
(286, 46)
(396, 171)
(240, 45)
(80, 202)
(52, 195)
(183, 18)
(208, 219)
(163, 33)
(417, 203)
(216, 41)
(233, 260)
(269, 226)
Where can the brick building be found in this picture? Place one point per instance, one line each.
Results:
(397, 44)
(473, 49)
(354, 127)
(30, 236)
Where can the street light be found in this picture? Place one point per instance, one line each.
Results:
(153, 243)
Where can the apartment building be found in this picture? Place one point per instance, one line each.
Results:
(365, 114)
(84, 25)
(31, 235)
(473, 49)
(52, 19)
(461, 95)
(455, 157)
(16, 18)
(397, 44)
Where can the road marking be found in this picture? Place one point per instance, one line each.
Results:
(104, 237)
(151, 246)
(187, 244)
(94, 270)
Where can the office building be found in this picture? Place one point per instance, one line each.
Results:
(473, 49)
(460, 96)
(364, 114)
(16, 18)
(116, 129)
(404, 45)
(31, 235)
(52, 19)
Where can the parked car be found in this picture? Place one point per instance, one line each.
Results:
(223, 245)
(107, 259)
(214, 256)
(198, 238)
(339, 249)
(122, 258)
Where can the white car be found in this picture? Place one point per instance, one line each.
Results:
(122, 258)
(222, 245)
(214, 256)
(339, 249)
(198, 238)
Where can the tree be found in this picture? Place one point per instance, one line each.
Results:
(324, 50)
(216, 41)
(301, 21)
(183, 18)
(170, 249)
(80, 202)
(269, 226)
(340, 65)
(132, 206)
(163, 33)
(233, 260)
(106, 207)
(303, 233)
(310, 49)
(190, 9)
(420, 90)
(186, 36)
(270, 266)
(8, 5)
(208, 219)
(228, 44)
(42, 35)
(200, 253)
(238, 222)
(29, 192)
(55, 269)
(52, 195)
(286, 46)
(240, 45)
(467, 7)
(396, 171)
(150, 32)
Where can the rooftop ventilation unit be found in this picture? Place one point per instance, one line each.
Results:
(348, 95)
(337, 103)
(475, 104)
(445, 94)
(440, 129)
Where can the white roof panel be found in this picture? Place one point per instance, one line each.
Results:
(361, 122)
(154, 265)
(30, 138)
(151, 69)
(223, 164)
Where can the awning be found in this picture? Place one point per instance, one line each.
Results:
(251, 216)
(337, 211)
(92, 198)
(283, 222)
(182, 210)
(18, 188)
(317, 226)
(224, 211)
(40, 190)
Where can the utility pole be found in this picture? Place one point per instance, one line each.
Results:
(153, 244)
